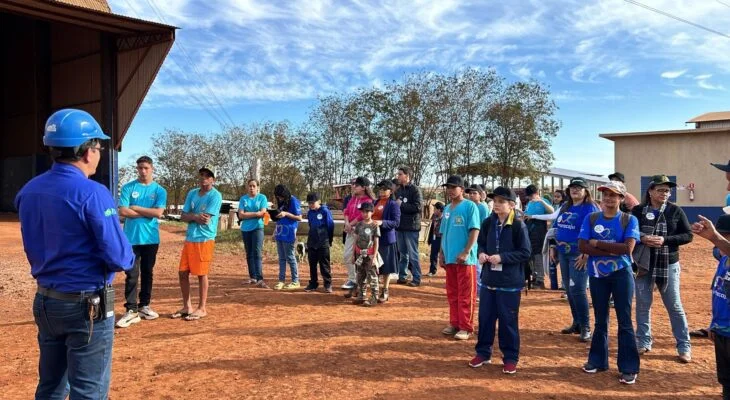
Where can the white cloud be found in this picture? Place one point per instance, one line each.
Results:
(673, 74)
(683, 93)
(522, 72)
(703, 77)
(706, 85)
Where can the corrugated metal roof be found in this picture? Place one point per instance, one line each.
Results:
(569, 173)
(612, 136)
(98, 5)
(712, 116)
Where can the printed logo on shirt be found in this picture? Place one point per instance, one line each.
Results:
(605, 234)
(458, 220)
(109, 212)
(599, 229)
(135, 195)
(319, 216)
(405, 200)
(368, 231)
(567, 218)
(446, 215)
(650, 216)
(611, 266)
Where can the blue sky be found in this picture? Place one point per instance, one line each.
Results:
(611, 66)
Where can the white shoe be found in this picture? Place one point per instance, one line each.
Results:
(462, 335)
(147, 313)
(130, 317)
(348, 285)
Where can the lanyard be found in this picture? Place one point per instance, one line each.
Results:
(498, 231)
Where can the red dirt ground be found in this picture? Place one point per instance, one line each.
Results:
(259, 343)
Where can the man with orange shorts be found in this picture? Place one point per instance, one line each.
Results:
(201, 212)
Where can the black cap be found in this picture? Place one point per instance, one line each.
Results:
(578, 181)
(661, 180)
(312, 197)
(617, 176)
(361, 181)
(472, 189)
(439, 206)
(723, 224)
(208, 170)
(454, 180)
(386, 184)
(722, 167)
(482, 188)
(503, 192)
(366, 207)
(530, 190)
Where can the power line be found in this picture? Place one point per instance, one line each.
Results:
(723, 3)
(195, 68)
(666, 14)
(201, 99)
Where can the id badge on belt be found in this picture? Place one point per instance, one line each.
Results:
(496, 267)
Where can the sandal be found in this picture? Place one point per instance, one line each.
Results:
(194, 317)
(179, 314)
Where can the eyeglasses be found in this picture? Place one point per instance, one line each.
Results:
(662, 191)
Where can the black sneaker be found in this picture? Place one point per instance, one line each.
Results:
(310, 288)
(401, 281)
(627, 379)
(414, 284)
(575, 328)
(592, 369)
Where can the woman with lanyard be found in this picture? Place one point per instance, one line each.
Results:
(608, 238)
(568, 220)
(387, 215)
(664, 227)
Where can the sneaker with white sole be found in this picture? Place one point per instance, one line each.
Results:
(279, 285)
(130, 317)
(449, 330)
(462, 335)
(627, 379)
(349, 285)
(147, 313)
(292, 286)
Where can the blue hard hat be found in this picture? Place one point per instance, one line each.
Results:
(71, 128)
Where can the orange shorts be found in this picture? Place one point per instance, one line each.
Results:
(196, 257)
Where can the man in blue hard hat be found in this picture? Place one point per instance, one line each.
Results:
(74, 243)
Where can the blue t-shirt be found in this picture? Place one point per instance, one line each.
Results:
(568, 224)
(535, 207)
(142, 230)
(720, 308)
(483, 211)
(255, 204)
(611, 231)
(286, 228)
(727, 200)
(456, 223)
(209, 203)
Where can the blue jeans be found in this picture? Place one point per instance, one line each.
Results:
(253, 242)
(408, 249)
(620, 285)
(496, 305)
(71, 362)
(575, 282)
(286, 254)
(673, 304)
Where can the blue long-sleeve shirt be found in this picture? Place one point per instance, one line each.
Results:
(321, 228)
(71, 231)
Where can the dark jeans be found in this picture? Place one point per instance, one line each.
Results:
(69, 358)
(502, 306)
(408, 253)
(434, 258)
(319, 256)
(253, 242)
(575, 282)
(620, 284)
(722, 359)
(144, 262)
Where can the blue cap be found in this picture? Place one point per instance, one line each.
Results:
(71, 128)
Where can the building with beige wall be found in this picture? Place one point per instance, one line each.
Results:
(683, 155)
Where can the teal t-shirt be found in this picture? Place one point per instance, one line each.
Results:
(209, 203)
(535, 207)
(255, 204)
(456, 224)
(611, 231)
(483, 211)
(143, 230)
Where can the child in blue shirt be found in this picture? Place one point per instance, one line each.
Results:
(319, 240)
(720, 326)
(285, 234)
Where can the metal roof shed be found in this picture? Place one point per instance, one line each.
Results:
(63, 56)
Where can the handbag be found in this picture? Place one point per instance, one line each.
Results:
(640, 259)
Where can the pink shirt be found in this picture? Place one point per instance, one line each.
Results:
(352, 211)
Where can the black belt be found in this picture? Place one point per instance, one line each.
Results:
(55, 294)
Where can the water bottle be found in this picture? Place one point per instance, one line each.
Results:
(553, 271)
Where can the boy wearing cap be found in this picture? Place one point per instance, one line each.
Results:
(609, 237)
(630, 200)
(319, 239)
(201, 212)
(504, 247)
(459, 231)
(366, 235)
(434, 236)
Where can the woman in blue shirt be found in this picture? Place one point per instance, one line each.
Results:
(572, 262)
(251, 209)
(290, 213)
(609, 238)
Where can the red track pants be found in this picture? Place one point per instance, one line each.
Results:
(461, 290)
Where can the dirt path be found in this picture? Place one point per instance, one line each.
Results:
(263, 344)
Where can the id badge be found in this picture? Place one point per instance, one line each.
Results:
(497, 267)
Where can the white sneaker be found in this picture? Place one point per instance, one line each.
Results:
(462, 335)
(348, 285)
(130, 317)
(147, 313)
